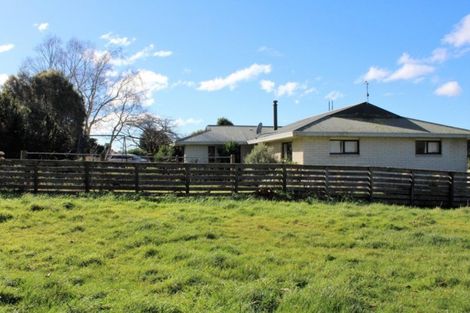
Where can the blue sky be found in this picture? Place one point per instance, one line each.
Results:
(206, 59)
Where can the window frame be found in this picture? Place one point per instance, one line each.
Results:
(343, 145)
(283, 156)
(426, 147)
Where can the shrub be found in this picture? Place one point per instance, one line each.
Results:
(261, 154)
(137, 151)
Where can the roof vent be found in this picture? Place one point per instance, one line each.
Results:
(259, 128)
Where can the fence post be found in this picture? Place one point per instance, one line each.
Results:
(136, 177)
(35, 177)
(237, 177)
(371, 183)
(23, 154)
(451, 188)
(284, 178)
(233, 160)
(187, 177)
(412, 188)
(327, 187)
(86, 178)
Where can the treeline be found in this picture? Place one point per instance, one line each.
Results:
(68, 92)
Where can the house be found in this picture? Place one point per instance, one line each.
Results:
(205, 147)
(358, 135)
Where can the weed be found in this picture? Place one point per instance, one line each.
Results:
(5, 217)
(37, 208)
(9, 298)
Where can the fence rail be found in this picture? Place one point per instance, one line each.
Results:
(403, 186)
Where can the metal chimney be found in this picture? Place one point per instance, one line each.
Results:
(275, 114)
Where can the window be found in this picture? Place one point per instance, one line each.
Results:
(428, 147)
(344, 146)
(286, 153)
(211, 154)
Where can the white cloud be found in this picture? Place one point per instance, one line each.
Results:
(287, 89)
(270, 51)
(309, 91)
(151, 83)
(449, 89)
(460, 35)
(41, 26)
(116, 40)
(112, 73)
(410, 68)
(6, 47)
(3, 78)
(233, 79)
(374, 73)
(141, 54)
(410, 71)
(105, 125)
(267, 85)
(334, 95)
(162, 53)
(180, 122)
(439, 55)
(185, 83)
(143, 82)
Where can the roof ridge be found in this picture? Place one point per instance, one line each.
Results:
(215, 125)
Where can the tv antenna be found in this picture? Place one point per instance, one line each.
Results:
(367, 90)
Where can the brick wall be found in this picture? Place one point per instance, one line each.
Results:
(386, 152)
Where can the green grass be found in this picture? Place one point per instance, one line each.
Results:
(109, 254)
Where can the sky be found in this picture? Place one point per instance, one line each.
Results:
(206, 59)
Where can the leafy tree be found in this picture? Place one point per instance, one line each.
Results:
(11, 127)
(223, 121)
(229, 148)
(165, 153)
(45, 113)
(260, 154)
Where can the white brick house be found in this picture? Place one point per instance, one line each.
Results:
(363, 135)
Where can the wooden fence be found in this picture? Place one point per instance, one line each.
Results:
(414, 187)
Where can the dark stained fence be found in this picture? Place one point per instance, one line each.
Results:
(391, 185)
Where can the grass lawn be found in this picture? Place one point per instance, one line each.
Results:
(110, 254)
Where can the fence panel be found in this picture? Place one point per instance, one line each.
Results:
(391, 185)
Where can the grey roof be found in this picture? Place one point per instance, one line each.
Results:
(214, 134)
(363, 119)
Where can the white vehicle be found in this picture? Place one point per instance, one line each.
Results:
(131, 158)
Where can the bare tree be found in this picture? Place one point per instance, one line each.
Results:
(108, 96)
(150, 132)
